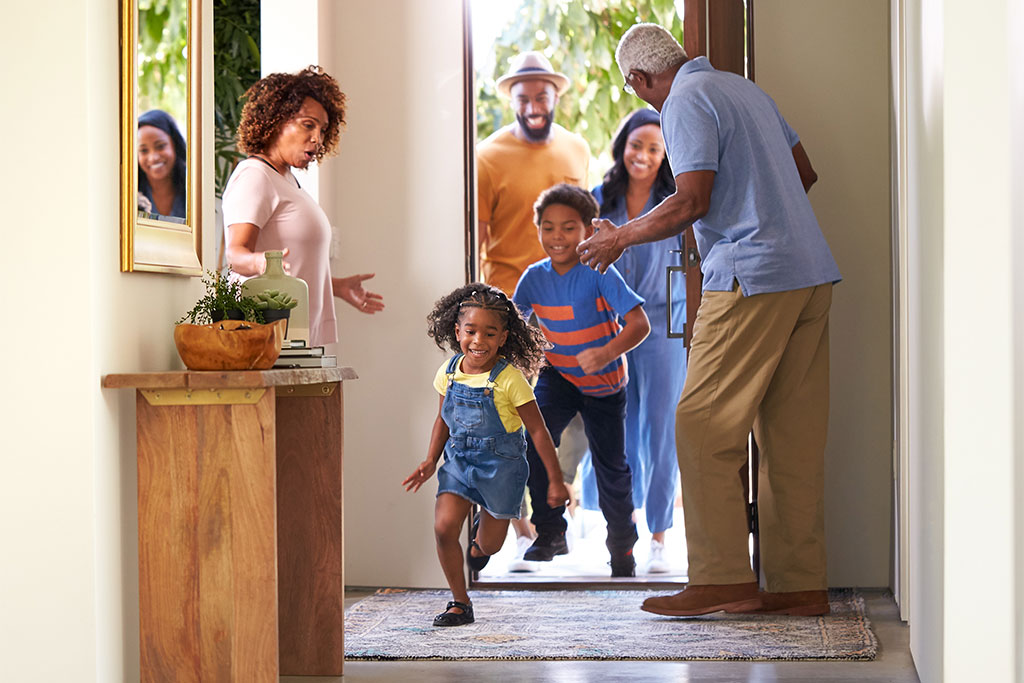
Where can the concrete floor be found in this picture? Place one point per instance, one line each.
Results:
(893, 665)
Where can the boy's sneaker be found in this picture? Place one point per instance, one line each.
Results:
(546, 547)
(623, 563)
(656, 562)
(519, 564)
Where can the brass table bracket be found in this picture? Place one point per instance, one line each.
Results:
(202, 397)
(325, 389)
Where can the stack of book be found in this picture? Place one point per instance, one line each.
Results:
(297, 355)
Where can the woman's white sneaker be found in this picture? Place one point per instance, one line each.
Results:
(523, 544)
(656, 562)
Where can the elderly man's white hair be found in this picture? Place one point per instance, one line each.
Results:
(648, 48)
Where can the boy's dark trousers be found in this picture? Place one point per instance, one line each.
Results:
(604, 424)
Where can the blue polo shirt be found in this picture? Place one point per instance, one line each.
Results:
(760, 229)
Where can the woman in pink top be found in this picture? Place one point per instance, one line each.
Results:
(289, 121)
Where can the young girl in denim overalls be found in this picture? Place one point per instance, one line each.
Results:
(485, 404)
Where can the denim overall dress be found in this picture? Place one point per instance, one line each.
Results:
(483, 463)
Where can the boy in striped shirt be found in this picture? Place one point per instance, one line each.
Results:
(578, 310)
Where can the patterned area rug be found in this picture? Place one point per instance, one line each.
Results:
(515, 625)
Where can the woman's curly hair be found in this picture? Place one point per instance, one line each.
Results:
(524, 347)
(276, 98)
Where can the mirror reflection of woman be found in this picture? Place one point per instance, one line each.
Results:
(290, 121)
(162, 155)
(639, 179)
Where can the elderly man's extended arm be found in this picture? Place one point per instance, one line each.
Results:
(803, 166)
(678, 211)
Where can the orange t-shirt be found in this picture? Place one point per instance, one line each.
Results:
(511, 174)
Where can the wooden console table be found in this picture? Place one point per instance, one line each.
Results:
(240, 523)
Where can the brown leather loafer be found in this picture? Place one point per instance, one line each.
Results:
(795, 603)
(694, 600)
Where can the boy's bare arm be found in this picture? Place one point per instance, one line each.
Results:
(425, 470)
(529, 413)
(636, 330)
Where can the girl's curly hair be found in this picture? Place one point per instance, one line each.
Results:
(276, 98)
(524, 347)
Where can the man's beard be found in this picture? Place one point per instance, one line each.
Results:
(536, 134)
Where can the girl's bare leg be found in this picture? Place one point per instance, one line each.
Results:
(491, 534)
(450, 511)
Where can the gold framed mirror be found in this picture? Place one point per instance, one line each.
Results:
(161, 174)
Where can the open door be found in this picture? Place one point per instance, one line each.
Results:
(719, 29)
(723, 31)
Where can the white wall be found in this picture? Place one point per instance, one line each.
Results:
(965, 310)
(826, 65)
(923, 246)
(980, 311)
(288, 43)
(68, 581)
(396, 193)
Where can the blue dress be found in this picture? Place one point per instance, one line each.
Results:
(483, 463)
(657, 371)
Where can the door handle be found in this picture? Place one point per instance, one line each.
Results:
(668, 287)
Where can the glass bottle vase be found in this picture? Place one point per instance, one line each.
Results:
(274, 277)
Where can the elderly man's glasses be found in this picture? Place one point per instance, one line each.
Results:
(627, 88)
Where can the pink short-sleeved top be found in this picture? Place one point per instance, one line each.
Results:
(287, 216)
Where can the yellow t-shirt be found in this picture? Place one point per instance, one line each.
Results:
(511, 390)
(511, 174)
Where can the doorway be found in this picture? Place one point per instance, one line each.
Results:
(579, 37)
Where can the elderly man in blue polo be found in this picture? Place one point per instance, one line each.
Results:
(759, 357)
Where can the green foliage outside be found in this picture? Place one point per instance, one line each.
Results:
(236, 66)
(579, 37)
(163, 64)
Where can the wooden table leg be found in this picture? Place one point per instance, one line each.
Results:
(309, 520)
(207, 545)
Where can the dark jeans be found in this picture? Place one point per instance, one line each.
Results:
(604, 424)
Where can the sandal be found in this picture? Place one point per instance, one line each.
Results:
(447, 618)
(476, 563)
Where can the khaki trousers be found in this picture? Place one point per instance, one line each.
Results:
(758, 362)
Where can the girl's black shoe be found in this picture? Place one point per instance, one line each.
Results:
(475, 563)
(448, 618)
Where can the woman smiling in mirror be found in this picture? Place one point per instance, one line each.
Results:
(290, 121)
(162, 155)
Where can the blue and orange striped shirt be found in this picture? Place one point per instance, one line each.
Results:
(577, 311)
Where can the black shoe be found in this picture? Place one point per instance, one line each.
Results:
(447, 618)
(476, 563)
(620, 547)
(546, 547)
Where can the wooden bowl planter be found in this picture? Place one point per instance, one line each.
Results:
(229, 345)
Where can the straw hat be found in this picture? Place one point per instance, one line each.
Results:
(531, 66)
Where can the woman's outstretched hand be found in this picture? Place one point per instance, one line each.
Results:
(350, 289)
(423, 472)
(558, 494)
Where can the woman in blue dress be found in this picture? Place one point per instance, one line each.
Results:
(162, 157)
(639, 179)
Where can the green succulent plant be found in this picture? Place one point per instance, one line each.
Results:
(223, 294)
